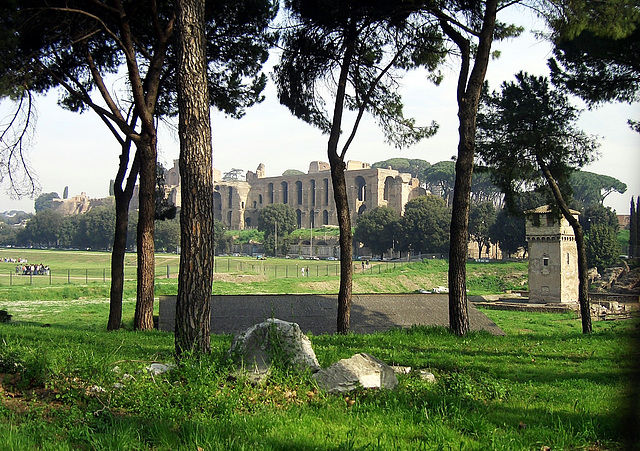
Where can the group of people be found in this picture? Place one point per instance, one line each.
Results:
(33, 270)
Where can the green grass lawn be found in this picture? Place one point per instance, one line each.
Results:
(66, 383)
(543, 384)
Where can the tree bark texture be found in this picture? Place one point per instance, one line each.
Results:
(346, 246)
(122, 201)
(117, 263)
(458, 311)
(147, 152)
(583, 269)
(145, 95)
(468, 96)
(336, 161)
(193, 308)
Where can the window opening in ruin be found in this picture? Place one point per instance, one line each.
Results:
(361, 187)
(285, 193)
(299, 191)
(325, 182)
(387, 188)
(313, 193)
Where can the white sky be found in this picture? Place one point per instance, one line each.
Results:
(78, 151)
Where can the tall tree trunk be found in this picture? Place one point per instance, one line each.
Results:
(117, 263)
(468, 96)
(147, 153)
(583, 270)
(193, 308)
(346, 246)
(122, 200)
(458, 235)
(336, 161)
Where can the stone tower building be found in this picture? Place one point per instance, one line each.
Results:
(553, 257)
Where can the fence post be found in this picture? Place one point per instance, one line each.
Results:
(68, 276)
(168, 272)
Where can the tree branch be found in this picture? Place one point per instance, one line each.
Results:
(367, 96)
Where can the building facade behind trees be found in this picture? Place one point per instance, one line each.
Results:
(238, 203)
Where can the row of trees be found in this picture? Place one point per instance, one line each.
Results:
(76, 46)
(438, 178)
(422, 229)
(93, 229)
(355, 49)
(331, 44)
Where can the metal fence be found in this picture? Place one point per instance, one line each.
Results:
(56, 277)
(295, 268)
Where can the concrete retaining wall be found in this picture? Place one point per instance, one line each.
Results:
(318, 313)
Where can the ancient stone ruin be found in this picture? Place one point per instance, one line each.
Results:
(361, 370)
(259, 347)
(274, 341)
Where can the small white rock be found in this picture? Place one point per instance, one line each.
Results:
(158, 368)
(426, 376)
(397, 369)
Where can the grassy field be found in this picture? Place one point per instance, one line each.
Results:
(91, 270)
(65, 383)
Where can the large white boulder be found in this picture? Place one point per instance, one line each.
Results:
(258, 347)
(361, 370)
